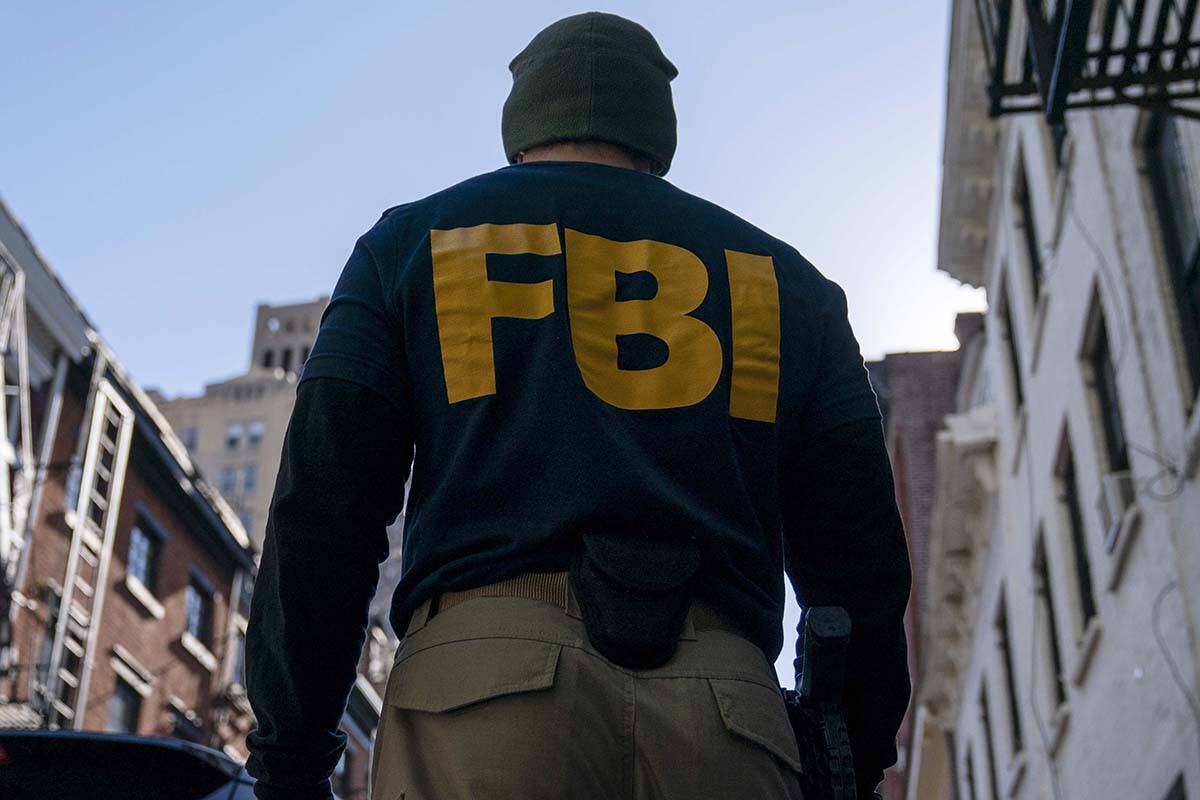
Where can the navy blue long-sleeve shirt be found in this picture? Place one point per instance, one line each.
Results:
(571, 346)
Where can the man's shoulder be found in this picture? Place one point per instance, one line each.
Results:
(426, 204)
(747, 231)
(496, 187)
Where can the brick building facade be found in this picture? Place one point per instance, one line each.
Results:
(915, 391)
(126, 574)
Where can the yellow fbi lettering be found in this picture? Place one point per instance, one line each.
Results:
(466, 302)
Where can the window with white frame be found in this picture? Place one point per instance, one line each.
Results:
(249, 478)
(233, 436)
(239, 659)
(1008, 333)
(1100, 375)
(1049, 661)
(1026, 226)
(969, 774)
(198, 604)
(1067, 485)
(142, 561)
(1003, 634)
(985, 720)
(229, 480)
(1174, 176)
(123, 708)
(254, 433)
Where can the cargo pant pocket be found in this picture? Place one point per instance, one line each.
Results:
(454, 675)
(452, 717)
(757, 714)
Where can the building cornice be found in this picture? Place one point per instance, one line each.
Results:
(969, 154)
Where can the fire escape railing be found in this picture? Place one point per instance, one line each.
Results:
(1143, 53)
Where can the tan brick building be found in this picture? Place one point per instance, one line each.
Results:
(234, 429)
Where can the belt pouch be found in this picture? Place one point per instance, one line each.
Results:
(633, 593)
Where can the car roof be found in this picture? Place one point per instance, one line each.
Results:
(213, 757)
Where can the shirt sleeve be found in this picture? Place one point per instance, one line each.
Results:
(346, 455)
(844, 540)
(360, 338)
(842, 390)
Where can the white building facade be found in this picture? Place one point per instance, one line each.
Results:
(1062, 656)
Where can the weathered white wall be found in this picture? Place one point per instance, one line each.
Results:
(1128, 730)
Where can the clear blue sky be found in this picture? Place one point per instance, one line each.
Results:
(179, 162)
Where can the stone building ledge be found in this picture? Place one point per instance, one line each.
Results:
(144, 596)
(198, 651)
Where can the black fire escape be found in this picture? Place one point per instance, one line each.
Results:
(1141, 53)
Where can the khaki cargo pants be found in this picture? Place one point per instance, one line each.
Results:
(503, 697)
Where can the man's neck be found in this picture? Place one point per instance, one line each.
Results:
(591, 152)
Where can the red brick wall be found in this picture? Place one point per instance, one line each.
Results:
(920, 388)
(155, 643)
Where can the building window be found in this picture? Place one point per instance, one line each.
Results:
(246, 594)
(1068, 497)
(304, 351)
(1116, 482)
(233, 436)
(254, 433)
(268, 358)
(1103, 379)
(198, 603)
(142, 562)
(1178, 792)
(249, 478)
(1178, 204)
(239, 660)
(286, 360)
(228, 480)
(1009, 332)
(246, 517)
(191, 437)
(1047, 623)
(123, 708)
(985, 719)
(969, 771)
(1028, 231)
(1004, 642)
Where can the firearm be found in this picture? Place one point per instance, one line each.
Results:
(815, 706)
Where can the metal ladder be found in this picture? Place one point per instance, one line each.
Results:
(64, 692)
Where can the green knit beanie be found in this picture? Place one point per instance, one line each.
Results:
(596, 77)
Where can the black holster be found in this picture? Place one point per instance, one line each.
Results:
(634, 592)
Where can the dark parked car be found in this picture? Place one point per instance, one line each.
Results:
(84, 765)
